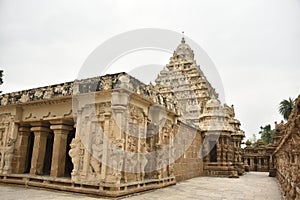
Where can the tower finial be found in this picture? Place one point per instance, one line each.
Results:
(182, 40)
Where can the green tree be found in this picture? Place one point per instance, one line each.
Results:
(286, 107)
(267, 134)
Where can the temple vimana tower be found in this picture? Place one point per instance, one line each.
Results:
(114, 135)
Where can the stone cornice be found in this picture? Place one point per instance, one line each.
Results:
(60, 93)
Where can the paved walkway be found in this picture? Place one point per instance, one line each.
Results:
(251, 186)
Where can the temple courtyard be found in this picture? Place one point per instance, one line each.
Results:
(252, 185)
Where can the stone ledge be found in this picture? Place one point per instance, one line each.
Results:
(107, 190)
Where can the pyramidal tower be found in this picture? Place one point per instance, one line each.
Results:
(199, 106)
(185, 80)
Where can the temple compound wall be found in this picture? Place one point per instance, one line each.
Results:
(286, 157)
(114, 135)
(280, 158)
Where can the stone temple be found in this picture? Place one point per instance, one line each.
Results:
(114, 135)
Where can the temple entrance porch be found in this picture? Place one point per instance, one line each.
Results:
(44, 147)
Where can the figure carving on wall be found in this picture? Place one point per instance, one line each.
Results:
(160, 99)
(116, 158)
(8, 155)
(142, 164)
(75, 154)
(24, 98)
(4, 100)
(48, 93)
(38, 93)
(106, 83)
(165, 135)
(161, 160)
(131, 158)
(131, 144)
(67, 89)
(97, 152)
(58, 89)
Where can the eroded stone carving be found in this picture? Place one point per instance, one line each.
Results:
(48, 93)
(24, 98)
(287, 154)
(75, 154)
(97, 153)
(4, 100)
(8, 156)
(116, 158)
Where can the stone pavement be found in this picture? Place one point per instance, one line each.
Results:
(253, 185)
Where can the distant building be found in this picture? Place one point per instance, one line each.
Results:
(258, 158)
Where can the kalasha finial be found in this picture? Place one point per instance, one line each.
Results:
(182, 40)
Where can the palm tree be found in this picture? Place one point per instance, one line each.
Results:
(286, 107)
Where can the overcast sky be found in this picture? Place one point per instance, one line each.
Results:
(254, 44)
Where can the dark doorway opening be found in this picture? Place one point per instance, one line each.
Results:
(255, 164)
(69, 165)
(29, 152)
(213, 151)
(48, 154)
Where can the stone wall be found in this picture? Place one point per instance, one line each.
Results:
(190, 163)
(286, 157)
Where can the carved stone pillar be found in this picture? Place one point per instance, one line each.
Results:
(207, 152)
(119, 117)
(223, 155)
(258, 164)
(59, 149)
(119, 101)
(106, 130)
(219, 150)
(252, 164)
(39, 148)
(21, 146)
(266, 165)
